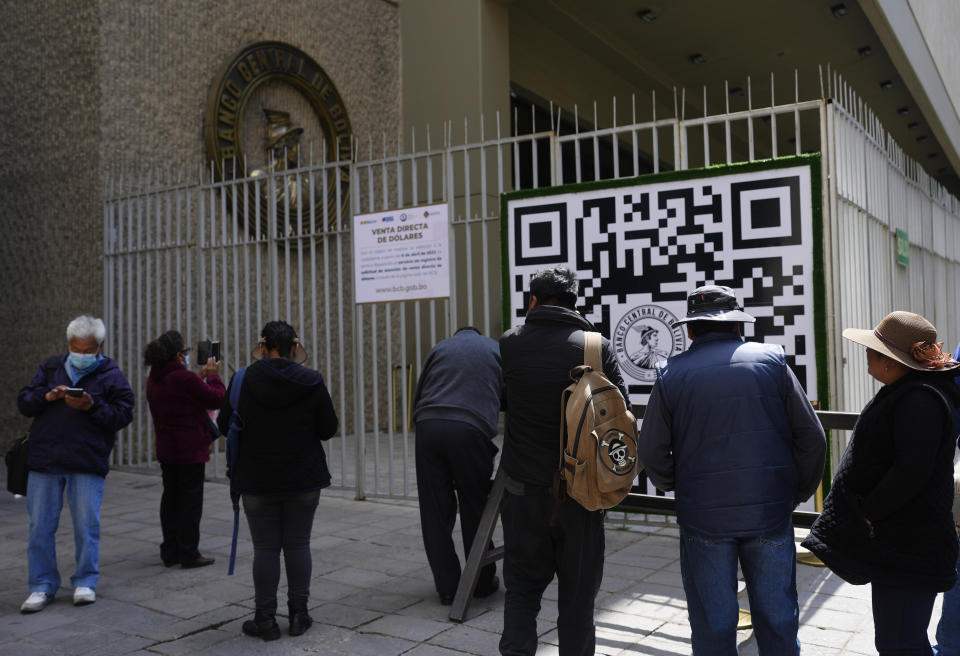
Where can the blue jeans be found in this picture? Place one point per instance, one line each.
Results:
(709, 570)
(948, 629)
(44, 503)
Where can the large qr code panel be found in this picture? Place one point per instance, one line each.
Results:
(639, 249)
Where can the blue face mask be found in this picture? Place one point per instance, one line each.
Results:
(186, 361)
(83, 361)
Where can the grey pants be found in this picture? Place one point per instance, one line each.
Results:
(281, 523)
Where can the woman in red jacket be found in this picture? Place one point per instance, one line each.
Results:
(179, 400)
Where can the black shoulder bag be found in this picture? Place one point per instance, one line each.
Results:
(16, 456)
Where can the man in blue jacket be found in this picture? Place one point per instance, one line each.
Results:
(79, 401)
(729, 427)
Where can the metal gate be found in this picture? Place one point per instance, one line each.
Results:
(220, 258)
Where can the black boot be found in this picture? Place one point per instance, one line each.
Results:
(263, 626)
(300, 620)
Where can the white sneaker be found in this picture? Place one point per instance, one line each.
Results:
(37, 601)
(83, 596)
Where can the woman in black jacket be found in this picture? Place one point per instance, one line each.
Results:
(887, 520)
(281, 467)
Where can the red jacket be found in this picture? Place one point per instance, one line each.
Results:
(179, 400)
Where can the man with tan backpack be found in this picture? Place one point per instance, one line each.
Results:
(543, 537)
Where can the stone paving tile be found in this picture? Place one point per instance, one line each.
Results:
(196, 643)
(615, 622)
(862, 643)
(318, 636)
(241, 645)
(363, 532)
(399, 540)
(663, 577)
(138, 621)
(214, 619)
(363, 578)
(345, 616)
(823, 637)
(388, 602)
(25, 648)
(470, 640)
(432, 650)
(621, 577)
(54, 616)
(323, 590)
(371, 645)
(831, 619)
(409, 628)
(181, 605)
(235, 588)
(372, 590)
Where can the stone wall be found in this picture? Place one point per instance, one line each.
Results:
(98, 90)
(49, 186)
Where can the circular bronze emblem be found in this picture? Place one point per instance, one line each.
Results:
(267, 114)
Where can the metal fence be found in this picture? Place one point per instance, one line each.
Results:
(218, 258)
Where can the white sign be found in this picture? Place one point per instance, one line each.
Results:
(402, 255)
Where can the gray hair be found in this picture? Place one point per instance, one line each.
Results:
(84, 327)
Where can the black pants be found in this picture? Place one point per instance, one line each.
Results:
(454, 464)
(181, 506)
(281, 523)
(900, 620)
(534, 552)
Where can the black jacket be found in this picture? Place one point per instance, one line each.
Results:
(537, 358)
(286, 412)
(897, 472)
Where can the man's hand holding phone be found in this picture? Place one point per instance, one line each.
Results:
(77, 398)
(56, 393)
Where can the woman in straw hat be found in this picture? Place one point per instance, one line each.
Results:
(887, 520)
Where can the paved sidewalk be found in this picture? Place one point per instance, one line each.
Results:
(372, 591)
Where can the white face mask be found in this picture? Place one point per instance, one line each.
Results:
(186, 361)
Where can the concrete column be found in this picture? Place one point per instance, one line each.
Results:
(454, 63)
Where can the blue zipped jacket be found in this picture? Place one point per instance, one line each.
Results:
(64, 440)
(746, 444)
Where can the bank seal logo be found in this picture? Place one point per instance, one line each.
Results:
(277, 72)
(645, 336)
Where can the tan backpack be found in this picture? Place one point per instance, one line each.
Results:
(598, 434)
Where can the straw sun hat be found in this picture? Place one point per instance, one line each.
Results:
(908, 338)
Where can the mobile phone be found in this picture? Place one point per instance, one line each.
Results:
(74, 391)
(215, 351)
(203, 352)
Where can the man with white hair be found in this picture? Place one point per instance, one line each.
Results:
(79, 401)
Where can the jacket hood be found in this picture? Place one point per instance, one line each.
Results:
(557, 314)
(161, 371)
(278, 383)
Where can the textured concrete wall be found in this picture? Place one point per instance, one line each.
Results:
(119, 87)
(49, 182)
(158, 60)
(938, 21)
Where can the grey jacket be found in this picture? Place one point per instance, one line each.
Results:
(462, 380)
